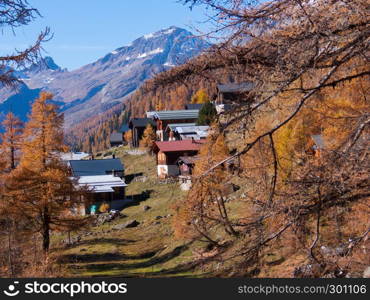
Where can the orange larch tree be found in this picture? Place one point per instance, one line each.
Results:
(40, 187)
(11, 140)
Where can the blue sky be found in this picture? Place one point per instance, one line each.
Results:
(85, 30)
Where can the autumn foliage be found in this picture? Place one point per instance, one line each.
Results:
(300, 142)
(149, 138)
(37, 194)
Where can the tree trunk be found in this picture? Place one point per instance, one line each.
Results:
(10, 260)
(45, 231)
(225, 216)
(12, 158)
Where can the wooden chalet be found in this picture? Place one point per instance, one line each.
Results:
(171, 134)
(138, 125)
(166, 117)
(186, 132)
(103, 179)
(168, 153)
(116, 139)
(230, 93)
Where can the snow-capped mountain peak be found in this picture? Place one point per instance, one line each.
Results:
(106, 82)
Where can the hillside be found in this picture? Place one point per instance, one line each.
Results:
(146, 250)
(279, 186)
(150, 249)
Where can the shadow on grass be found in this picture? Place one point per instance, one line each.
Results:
(134, 200)
(127, 266)
(87, 258)
(96, 241)
(114, 241)
(179, 270)
(130, 177)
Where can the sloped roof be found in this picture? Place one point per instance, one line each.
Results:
(140, 122)
(173, 126)
(194, 136)
(236, 87)
(95, 166)
(188, 129)
(192, 131)
(116, 137)
(101, 183)
(177, 146)
(184, 114)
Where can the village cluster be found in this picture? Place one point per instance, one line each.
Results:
(178, 141)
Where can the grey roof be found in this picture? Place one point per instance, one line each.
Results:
(116, 137)
(185, 114)
(235, 87)
(193, 135)
(189, 129)
(318, 140)
(95, 166)
(173, 126)
(140, 122)
(193, 106)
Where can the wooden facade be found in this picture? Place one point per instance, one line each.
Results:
(171, 158)
(169, 152)
(167, 163)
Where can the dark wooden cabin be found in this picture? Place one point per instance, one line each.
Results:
(138, 125)
(116, 139)
(232, 93)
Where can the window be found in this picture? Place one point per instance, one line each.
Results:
(161, 157)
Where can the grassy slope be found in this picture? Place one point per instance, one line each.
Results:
(150, 249)
(147, 250)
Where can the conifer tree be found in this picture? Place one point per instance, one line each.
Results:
(128, 137)
(40, 187)
(207, 114)
(205, 207)
(148, 138)
(159, 106)
(9, 155)
(200, 97)
(10, 140)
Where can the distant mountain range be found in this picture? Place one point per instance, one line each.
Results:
(96, 87)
